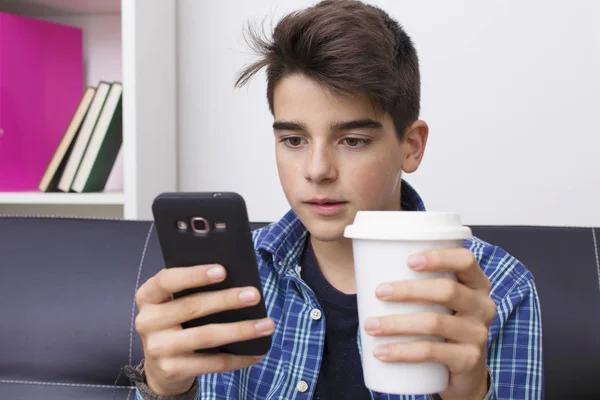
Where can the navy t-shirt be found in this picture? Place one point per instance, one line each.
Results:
(341, 375)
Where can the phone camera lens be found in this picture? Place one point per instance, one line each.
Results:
(200, 225)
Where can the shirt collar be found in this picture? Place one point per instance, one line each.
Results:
(284, 240)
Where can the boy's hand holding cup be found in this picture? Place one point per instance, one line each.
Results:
(423, 304)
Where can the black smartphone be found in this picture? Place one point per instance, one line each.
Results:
(212, 228)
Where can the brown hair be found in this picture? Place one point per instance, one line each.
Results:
(348, 47)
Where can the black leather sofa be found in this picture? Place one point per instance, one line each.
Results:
(68, 286)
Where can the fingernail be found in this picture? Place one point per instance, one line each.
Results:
(258, 358)
(264, 326)
(417, 261)
(380, 352)
(216, 273)
(248, 296)
(384, 290)
(372, 324)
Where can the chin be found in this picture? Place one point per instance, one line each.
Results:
(325, 230)
(324, 235)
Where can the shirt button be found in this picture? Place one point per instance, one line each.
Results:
(316, 314)
(302, 386)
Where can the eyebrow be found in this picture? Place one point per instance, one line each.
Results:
(289, 126)
(365, 123)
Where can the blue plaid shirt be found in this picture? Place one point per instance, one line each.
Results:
(291, 368)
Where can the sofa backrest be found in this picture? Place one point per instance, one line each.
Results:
(566, 267)
(68, 305)
(68, 288)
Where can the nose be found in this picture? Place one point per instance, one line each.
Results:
(320, 165)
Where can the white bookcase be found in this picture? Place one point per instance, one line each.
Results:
(132, 41)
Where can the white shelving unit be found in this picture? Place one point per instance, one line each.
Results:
(62, 198)
(132, 41)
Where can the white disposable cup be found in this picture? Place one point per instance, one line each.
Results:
(382, 242)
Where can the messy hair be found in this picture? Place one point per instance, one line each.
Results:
(348, 47)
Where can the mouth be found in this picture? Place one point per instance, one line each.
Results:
(324, 201)
(327, 207)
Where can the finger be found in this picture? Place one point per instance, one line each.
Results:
(161, 286)
(169, 344)
(155, 317)
(461, 262)
(450, 327)
(446, 292)
(458, 357)
(201, 364)
(443, 291)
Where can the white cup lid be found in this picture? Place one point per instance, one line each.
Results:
(407, 225)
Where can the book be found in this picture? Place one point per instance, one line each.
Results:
(57, 164)
(83, 137)
(104, 145)
(41, 83)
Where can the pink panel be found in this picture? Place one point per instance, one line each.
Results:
(41, 84)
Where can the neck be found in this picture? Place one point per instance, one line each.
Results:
(336, 263)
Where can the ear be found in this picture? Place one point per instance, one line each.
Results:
(415, 140)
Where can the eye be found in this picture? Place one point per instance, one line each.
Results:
(356, 142)
(293, 141)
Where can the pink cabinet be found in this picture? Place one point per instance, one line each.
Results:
(41, 83)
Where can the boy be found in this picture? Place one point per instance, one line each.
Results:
(343, 86)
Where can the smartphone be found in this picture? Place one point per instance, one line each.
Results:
(212, 228)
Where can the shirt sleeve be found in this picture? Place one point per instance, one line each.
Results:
(193, 394)
(143, 392)
(515, 347)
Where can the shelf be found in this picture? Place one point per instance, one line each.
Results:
(61, 198)
(43, 8)
(121, 42)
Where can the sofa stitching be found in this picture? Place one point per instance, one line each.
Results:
(65, 384)
(597, 257)
(137, 283)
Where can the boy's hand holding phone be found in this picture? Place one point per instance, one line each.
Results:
(171, 363)
(204, 312)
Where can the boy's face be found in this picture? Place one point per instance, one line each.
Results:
(337, 150)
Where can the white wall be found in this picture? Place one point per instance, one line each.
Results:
(511, 91)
